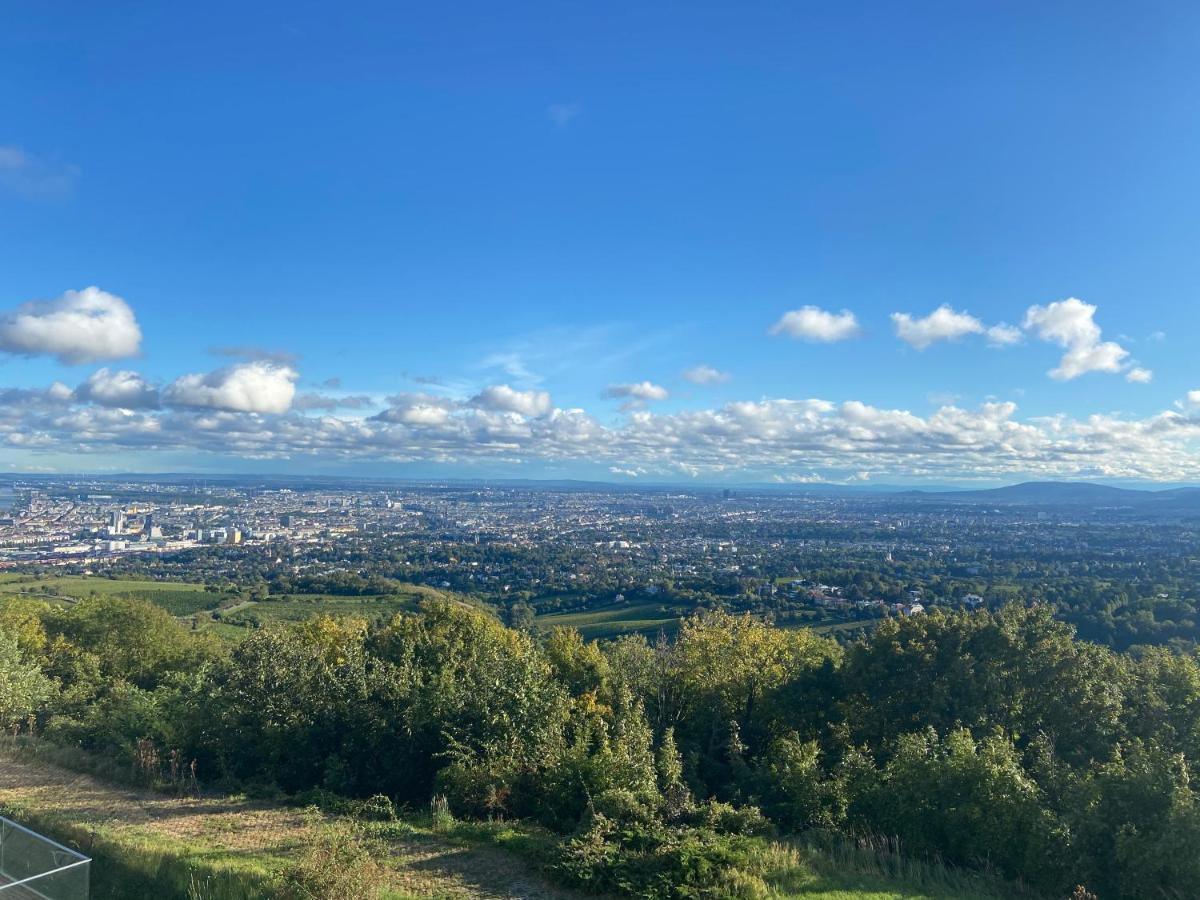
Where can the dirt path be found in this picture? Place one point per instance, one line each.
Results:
(423, 865)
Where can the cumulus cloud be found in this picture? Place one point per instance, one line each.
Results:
(418, 409)
(705, 375)
(1139, 375)
(943, 324)
(811, 323)
(253, 387)
(641, 390)
(36, 398)
(25, 174)
(502, 398)
(1071, 324)
(78, 327)
(124, 389)
(759, 439)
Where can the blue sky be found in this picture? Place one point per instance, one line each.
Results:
(384, 208)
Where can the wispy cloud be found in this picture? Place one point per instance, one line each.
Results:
(703, 374)
(563, 114)
(254, 353)
(329, 402)
(33, 177)
(641, 390)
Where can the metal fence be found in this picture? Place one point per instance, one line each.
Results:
(37, 868)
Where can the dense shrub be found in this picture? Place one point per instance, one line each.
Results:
(993, 739)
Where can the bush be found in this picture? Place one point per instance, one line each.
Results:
(660, 862)
(338, 864)
(725, 818)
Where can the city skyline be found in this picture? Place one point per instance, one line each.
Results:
(681, 243)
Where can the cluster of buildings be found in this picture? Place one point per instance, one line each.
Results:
(68, 522)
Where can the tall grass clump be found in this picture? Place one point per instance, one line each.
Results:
(338, 863)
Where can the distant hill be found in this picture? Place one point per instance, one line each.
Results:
(1071, 493)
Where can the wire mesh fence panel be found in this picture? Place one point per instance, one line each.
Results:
(33, 866)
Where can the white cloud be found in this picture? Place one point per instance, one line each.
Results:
(35, 178)
(1071, 324)
(811, 323)
(501, 397)
(641, 390)
(705, 375)
(760, 439)
(1004, 335)
(418, 409)
(125, 389)
(256, 387)
(1138, 375)
(60, 393)
(78, 327)
(943, 324)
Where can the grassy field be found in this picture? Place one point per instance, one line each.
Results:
(149, 846)
(614, 619)
(186, 599)
(238, 620)
(298, 607)
(177, 597)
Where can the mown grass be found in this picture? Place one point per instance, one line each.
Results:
(127, 865)
(152, 846)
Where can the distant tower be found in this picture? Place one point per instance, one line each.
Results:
(116, 521)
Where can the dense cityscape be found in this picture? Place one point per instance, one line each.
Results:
(636, 558)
